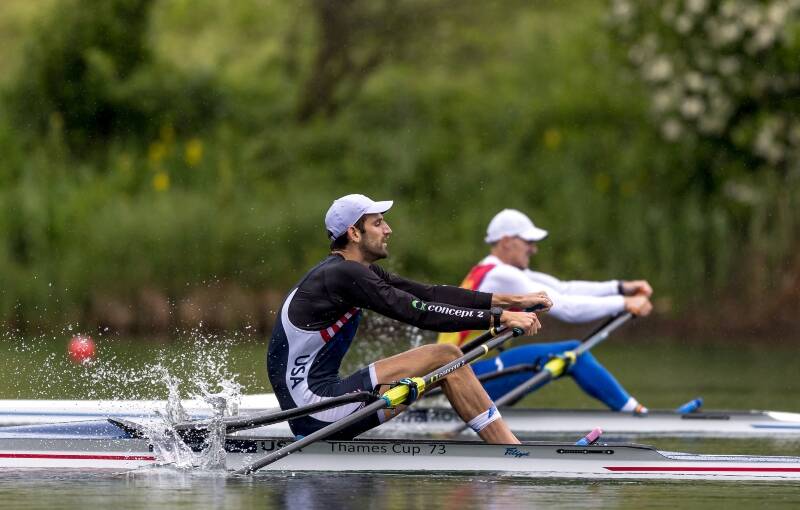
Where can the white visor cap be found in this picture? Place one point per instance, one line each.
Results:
(512, 223)
(347, 210)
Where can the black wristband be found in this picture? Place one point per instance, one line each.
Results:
(496, 312)
(620, 288)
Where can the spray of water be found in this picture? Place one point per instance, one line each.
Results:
(170, 448)
(196, 367)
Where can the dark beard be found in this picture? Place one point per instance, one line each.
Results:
(373, 254)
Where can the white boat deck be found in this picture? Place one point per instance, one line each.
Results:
(101, 445)
(420, 421)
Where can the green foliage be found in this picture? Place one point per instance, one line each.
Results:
(722, 72)
(723, 79)
(89, 71)
(201, 173)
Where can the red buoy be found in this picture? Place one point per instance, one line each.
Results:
(81, 349)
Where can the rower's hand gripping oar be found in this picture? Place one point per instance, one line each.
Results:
(492, 332)
(393, 397)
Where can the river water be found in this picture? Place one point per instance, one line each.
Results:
(667, 373)
(174, 489)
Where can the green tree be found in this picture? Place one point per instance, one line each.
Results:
(722, 72)
(355, 37)
(88, 70)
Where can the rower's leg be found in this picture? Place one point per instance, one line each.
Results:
(461, 387)
(597, 381)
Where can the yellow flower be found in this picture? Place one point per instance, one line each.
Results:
(194, 152)
(161, 181)
(552, 138)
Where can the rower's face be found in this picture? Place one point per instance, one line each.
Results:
(375, 237)
(520, 252)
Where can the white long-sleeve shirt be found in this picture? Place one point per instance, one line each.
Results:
(573, 301)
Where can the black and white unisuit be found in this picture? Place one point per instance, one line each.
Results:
(320, 316)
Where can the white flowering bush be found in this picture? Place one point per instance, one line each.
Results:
(723, 71)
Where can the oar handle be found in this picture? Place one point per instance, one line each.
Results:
(492, 332)
(483, 338)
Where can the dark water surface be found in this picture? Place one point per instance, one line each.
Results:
(660, 374)
(168, 490)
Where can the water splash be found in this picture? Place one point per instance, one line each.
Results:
(197, 367)
(174, 412)
(226, 400)
(38, 366)
(169, 446)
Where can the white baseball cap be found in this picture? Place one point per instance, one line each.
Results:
(346, 211)
(512, 223)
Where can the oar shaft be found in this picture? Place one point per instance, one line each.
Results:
(490, 376)
(484, 337)
(503, 334)
(603, 333)
(261, 419)
(399, 394)
(394, 396)
(540, 379)
(557, 366)
(233, 424)
(319, 435)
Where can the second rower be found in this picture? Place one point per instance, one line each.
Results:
(513, 237)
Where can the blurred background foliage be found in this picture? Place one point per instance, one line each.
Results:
(169, 162)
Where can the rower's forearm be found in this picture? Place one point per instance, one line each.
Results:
(508, 300)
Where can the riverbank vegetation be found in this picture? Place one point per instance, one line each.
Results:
(167, 163)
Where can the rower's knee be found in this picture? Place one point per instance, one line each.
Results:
(445, 353)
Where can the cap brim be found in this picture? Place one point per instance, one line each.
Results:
(534, 234)
(379, 207)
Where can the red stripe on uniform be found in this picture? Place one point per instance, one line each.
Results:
(331, 331)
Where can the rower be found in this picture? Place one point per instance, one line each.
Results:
(513, 239)
(318, 321)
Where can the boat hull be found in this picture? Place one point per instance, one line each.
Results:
(421, 421)
(28, 412)
(530, 423)
(105, 446)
